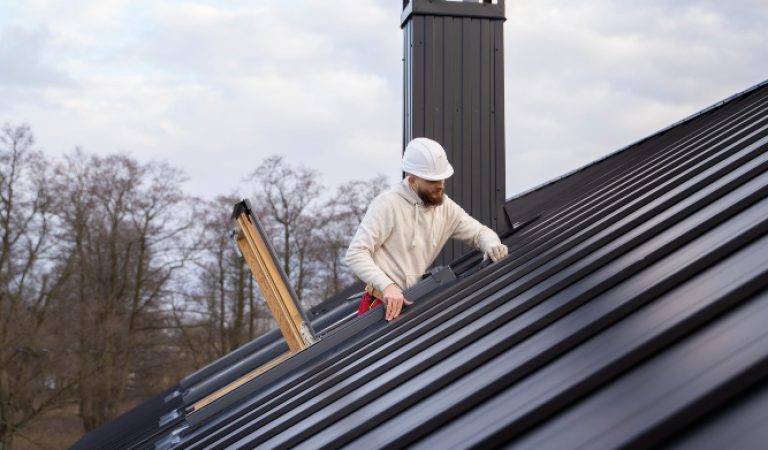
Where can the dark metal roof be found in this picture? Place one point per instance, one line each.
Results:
(630, 312)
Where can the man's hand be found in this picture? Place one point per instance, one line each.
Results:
(393, 300)
(496, 252)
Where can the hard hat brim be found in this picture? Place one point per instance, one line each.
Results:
(441, 176)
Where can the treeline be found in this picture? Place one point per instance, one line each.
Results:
(114, 283)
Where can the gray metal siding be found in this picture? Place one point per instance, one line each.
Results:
(453, 93)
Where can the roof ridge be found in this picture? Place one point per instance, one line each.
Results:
(680, 122)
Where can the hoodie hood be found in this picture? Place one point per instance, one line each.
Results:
(405, 191)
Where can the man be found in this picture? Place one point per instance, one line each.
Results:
(404, 229)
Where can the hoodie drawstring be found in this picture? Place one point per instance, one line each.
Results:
(434, 243)
(415, 224)
(416, 217)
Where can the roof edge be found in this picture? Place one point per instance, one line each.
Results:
(685, 120)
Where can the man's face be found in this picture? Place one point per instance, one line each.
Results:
(430, 192)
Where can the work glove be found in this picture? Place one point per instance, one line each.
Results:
(495, 252)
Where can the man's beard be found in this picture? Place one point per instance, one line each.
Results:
(430, 198)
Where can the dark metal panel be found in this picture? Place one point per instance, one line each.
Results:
(472, 84)
(236, 370)
(739, 425)
(656, 188)
(410, 390)
(365, 359)
(671, 206)
(461, 72)
(666, 196)
(254, 354)
(346, 336)
(538, 389)
(671, 391)
(464, 163)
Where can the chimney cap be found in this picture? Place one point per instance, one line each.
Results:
(491, 9)
(406, 2)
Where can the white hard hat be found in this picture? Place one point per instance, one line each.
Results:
(426, 159)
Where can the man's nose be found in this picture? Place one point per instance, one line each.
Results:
(440, 184)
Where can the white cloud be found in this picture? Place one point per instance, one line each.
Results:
(587, 78)
(215, 87)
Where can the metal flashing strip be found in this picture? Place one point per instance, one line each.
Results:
(169, 417)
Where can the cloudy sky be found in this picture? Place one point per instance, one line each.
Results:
(215, 87)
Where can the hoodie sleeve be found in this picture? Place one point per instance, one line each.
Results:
(467, 229)
(373, 231)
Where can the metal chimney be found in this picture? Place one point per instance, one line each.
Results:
(454, 93)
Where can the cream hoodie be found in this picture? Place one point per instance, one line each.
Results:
(400, 237)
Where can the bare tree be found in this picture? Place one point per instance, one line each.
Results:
(122, 228)
(29, 384)
(283, 197)
(224, 308)
(338, 221)
(97, 289)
